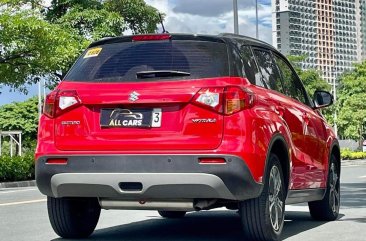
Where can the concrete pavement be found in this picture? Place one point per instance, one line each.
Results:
(23, 213)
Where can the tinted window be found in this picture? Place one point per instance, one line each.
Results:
(121, 61)
(269, 70)
(250, 67)
(291, 83)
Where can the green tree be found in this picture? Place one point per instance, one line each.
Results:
(351, 103)
(140, 17)
(31, 48)
(88, 18)
(21, 116)
(312, 81)
(311, 78)
(38, 41)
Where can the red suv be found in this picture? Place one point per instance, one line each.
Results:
(180, 123)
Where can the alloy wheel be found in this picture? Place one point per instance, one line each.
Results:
(334, 189)
(275, 199)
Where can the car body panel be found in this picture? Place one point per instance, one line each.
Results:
(246, 135)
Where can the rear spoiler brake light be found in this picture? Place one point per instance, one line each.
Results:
(151, 37)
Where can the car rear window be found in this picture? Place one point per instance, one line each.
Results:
(119, 62)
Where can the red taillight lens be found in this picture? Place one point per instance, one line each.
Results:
(57, 161)
(211, 160)
(59, 101)
(228, 100)
(237, 99)
(49, 104)
(151, 37)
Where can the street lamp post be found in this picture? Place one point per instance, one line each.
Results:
(335, 110)
(39, 98)
(236, 21)
(236, 24)
(256, 20)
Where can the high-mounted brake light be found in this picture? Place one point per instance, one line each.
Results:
(224, 100)
(151, 37)
(59, 101)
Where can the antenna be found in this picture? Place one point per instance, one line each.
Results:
(162, 23)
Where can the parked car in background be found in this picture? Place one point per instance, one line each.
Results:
(179, 123)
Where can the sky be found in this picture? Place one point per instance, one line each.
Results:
(194, 16)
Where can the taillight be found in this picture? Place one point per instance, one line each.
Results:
(151, 37)
(60, 101)
(224, 100)
(49, 104)
(237, 99)
(210, 98)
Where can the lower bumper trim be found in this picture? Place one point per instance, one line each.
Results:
(154, 185)
(154, 177)
(147, 205)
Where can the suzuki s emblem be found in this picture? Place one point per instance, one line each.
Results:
(134, 96)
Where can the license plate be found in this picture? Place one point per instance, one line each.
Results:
(130, 117)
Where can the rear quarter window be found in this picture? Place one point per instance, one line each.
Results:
(269, 70)
(119, 62)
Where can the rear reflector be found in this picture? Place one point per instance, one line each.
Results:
(151, 37)
(212, 160)
(57, 161)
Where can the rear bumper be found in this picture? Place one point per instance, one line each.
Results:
(146, 177)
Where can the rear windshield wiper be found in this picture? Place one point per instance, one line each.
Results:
(160, 73)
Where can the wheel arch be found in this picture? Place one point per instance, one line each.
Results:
(279, 146)
(336, 151)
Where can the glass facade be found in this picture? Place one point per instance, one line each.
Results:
(327, 32)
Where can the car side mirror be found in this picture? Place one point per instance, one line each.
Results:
(322, 99)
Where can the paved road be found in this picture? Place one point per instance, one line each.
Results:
(23, 216)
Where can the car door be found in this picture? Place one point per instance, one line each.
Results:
(308, 173)
(290, 113)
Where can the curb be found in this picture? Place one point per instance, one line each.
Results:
(356, 162)
(31, 183)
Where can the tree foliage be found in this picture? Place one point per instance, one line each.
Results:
(351, 103)
(311, 78)
(32, 48)
(312, 81)
(38, 41)
(20, 116)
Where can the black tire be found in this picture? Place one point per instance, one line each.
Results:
(73, 217)
(172, 214)
(328, 208)
(263, 217)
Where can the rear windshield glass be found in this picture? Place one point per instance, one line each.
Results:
(120, 62)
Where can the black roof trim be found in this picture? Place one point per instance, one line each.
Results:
(221, 38)
(250, 40)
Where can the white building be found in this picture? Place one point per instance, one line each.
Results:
(328, 32)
